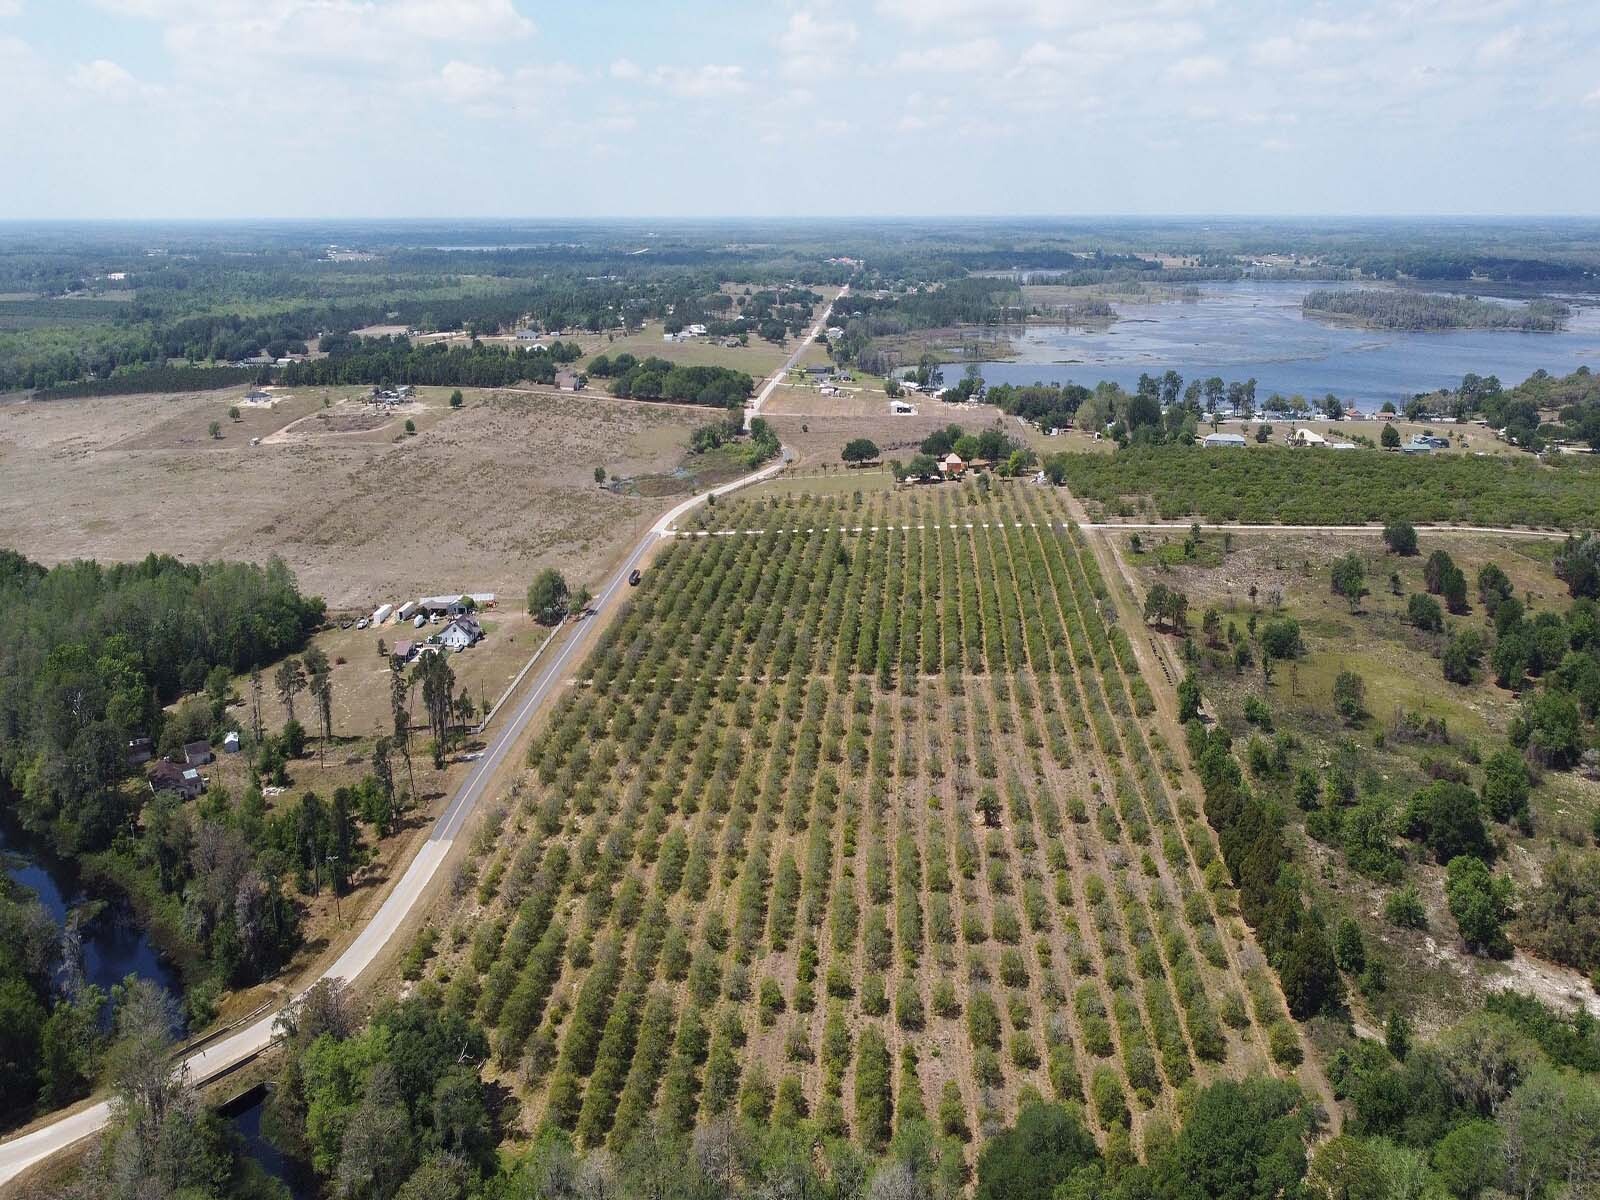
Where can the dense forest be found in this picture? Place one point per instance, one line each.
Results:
(392, 360)
(1386, 309)
(88, 658)
(658, 379)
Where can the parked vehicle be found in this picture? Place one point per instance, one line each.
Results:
(633, 579)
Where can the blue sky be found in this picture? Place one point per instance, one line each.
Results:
(459, 108)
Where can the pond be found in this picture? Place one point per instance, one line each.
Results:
(244, 1113)
(1256, 328)
(112, 944)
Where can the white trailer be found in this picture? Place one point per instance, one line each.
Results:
(381, 614)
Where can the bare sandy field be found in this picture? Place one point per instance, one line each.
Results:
(477, 500)
(818, 426)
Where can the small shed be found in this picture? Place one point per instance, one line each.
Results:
(230, 742)
(139, 752)
(198, 754)
(952, 464)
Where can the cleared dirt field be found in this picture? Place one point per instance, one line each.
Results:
(477, 500)
(818, 426)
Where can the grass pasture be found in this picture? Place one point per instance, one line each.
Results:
(863, 825)
(1427, 973)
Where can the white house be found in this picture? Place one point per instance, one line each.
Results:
(460, 633)
(1214, 441)
(1307, 437)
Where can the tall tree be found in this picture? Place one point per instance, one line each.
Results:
(400, 707)
(289, 681)
(383, 773)
(256, 727)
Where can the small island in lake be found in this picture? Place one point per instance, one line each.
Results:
(1382, 308)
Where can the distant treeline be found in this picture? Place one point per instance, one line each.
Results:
(1385, 309)
(153, 379)
(391, 360)
(1436, 265)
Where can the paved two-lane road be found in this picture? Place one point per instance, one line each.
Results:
(753, 409)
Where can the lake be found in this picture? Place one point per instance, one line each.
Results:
(1239, 330)
(113, 945)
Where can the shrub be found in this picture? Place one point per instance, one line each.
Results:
(874, 1102)
(1447, 818)
(1506, 785)
(1424, 612)
(1404, 908)
(1280, 637)
(983, 1021)
(1349, 695)
(1284, 1044)
(1400, 537)
(1110, 1102)
(1480, 904)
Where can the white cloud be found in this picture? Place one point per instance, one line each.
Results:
(1044, 14)
(238, 39)
(1125, 39)
(701, 82)
(810, 45)
(486, 91)
(1504, 46)
(442, 20)
(468, 83)
(1277, 51)
(105, 78)
(980, 55)
(1199, 68)
(10, 8)
(625, 68)
(1593, 97)
(1316, 29)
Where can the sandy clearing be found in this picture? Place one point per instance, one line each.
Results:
(484, 496)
